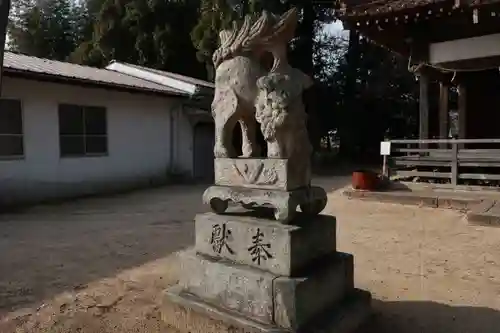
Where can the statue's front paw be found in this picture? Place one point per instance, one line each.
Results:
(273, 154)
(250, 150)
(221, 152)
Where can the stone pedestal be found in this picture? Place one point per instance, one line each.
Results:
(282, 184)
(262, 173)
(255, 271)
(311, 200)
(264, 276)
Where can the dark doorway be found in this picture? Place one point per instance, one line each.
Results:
(204, 138)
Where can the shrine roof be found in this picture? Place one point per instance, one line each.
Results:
(366, 8)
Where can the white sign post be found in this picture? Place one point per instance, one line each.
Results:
(385, 150)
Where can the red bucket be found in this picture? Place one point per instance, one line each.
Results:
(364, 180)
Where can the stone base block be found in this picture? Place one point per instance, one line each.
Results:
(311, 200)
(271, 246)
(263, 173)
(344, 317)
(298, 300)
(235, 287)
(287, 302)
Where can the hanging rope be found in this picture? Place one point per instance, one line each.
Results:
(454, 77)
(463, 69)
(448, 70)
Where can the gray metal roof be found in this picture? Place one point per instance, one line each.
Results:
(171, 75)
(14, 62)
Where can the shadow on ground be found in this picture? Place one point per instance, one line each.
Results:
(430, 317)
(48, 249)
(332, 184)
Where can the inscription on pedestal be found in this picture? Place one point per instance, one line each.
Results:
(268, 245)
(221, 235)
(266, 173)
(259, 250)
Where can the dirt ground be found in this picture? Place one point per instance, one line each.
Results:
(100, 265)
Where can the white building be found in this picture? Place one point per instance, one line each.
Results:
(68, 130)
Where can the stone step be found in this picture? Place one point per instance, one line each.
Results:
(211, 312)
(433, 199)
(265, 244)
(481, 209)
(344, 317)
(297, 300)
(486, 214)
(288, 302)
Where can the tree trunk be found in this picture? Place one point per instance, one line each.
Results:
(305, 63)
(4, 18)
(307, 36)
(347, 121)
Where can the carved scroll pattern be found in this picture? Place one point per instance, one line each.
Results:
(256, 174)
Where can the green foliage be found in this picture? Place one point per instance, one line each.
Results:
(154, 33)
(150, 33)
(214, 15)
(377, 97)
(45, 30)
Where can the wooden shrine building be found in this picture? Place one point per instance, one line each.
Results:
(455, 43)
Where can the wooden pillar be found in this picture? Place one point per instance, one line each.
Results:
(462, 111)
(423, 108)
(444, 90)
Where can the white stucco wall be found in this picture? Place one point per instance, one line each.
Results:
(138, 143)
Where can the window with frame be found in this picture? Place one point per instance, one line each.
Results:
(82, 130)
(11, 128)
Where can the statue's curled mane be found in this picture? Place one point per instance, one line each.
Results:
(254, 35)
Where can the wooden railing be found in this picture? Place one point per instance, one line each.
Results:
(444, 159)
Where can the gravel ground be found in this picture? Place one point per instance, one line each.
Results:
(99, 265)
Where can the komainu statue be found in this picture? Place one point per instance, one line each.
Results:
(268, 97)
(245, 92)
(271, 268)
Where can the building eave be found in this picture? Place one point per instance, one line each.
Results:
(401, 10)
(44, 77)
(181, 86)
